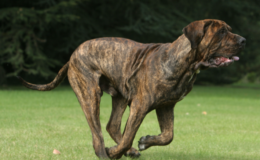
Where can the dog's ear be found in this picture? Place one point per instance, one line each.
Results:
(195, 32)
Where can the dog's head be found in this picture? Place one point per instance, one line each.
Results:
(216, 45)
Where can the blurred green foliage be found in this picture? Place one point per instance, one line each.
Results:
(38, 37)
(251, 77)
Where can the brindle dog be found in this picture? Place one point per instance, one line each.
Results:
(144, 77)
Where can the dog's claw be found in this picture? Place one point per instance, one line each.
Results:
(132, 153)
(141, 146)
(142, 139)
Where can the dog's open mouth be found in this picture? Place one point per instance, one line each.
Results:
(223, 61)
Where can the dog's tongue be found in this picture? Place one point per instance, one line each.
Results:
(223, 60)
(235, 58)
(219, 60)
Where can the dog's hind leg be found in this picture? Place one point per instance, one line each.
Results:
(165, 117)
(89, 93)
(119, 105)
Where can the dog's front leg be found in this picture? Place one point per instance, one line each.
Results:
(119, 105)
(165, 118)
(137, 113)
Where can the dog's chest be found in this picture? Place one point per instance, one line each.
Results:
(188, 87)
(183, 95)
(172, 93)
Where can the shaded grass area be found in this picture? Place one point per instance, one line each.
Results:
(33, 123)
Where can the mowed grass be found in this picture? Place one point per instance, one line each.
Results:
(33, 123)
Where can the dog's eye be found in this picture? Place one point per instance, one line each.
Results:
(223, 31)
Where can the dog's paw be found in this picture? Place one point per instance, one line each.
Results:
(132, 153)
(112, 153)
(141, 142)
(141, 147)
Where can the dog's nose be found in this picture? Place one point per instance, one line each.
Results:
(242, 41)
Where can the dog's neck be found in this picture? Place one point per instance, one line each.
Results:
(181, 58)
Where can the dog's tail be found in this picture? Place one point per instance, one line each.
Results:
(47, 87)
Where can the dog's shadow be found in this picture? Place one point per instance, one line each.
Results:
(166, 155)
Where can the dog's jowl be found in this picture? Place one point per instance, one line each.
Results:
(144, 77)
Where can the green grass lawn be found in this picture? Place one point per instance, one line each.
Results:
(33, 123)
